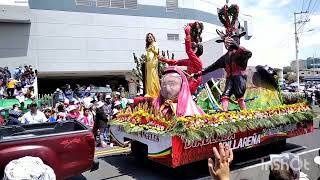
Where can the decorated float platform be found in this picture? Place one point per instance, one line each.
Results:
(182, 140)
(190, 139)
(175, 129)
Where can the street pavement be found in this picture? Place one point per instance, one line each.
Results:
(117, 163)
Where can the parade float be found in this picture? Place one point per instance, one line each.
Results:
(174, 130)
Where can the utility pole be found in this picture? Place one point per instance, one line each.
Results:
(297, 40)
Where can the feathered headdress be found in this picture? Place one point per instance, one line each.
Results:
(228, 16)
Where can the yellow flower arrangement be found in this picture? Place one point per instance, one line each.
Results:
(145, 118)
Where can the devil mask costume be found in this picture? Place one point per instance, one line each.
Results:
(235, 60)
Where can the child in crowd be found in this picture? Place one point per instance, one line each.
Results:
(87, 118)
(49, 115)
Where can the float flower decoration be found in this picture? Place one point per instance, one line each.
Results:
(144, 118)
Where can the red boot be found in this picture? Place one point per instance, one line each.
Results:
(242, 104)
(225, 103)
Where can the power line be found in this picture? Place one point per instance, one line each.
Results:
(309, 14)
(309, 5)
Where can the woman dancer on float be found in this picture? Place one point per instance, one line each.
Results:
(152, 77)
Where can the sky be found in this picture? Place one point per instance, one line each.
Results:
(272, 42)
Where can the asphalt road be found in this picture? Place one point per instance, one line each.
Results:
(249, 164)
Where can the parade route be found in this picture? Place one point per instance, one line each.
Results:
(102, 152)
(117, 163)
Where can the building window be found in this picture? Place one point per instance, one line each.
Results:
(173, 37)
(103, 3)
(85, 2)
(117, 3)
(302, 73)
(172, 5)
(130, 4)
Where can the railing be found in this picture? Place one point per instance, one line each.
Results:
(45, 98)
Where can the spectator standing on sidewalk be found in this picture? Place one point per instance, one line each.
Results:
(108, 110)
(7, 72)
(69, 93)
(34, 116)
(108, 90)
(10, 87)
(87, 118)
(49, 115)
(101, 122)
(14, 115)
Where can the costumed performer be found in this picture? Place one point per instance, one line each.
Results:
(152, 77)
(234, 61)
(194, 64)
(175, 98)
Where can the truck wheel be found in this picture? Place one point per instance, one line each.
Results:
(281, 144)
(1, 173)
(139, 150)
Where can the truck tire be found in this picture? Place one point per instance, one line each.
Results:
(282, 143)
(139, 150)
(1, 173)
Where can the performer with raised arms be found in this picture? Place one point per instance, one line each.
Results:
(194, 50)
(235, 60)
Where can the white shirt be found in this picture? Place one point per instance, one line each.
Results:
(87, 100)
(30, 118)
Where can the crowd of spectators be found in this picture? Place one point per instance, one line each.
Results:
(17, 85)
(83, 104)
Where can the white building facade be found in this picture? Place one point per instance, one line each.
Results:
(67, 38)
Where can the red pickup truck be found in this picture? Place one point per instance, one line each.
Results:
(67, 147)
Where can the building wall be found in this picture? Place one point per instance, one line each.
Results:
(302, 64)
(67, 38)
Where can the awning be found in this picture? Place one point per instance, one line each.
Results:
(15, 14)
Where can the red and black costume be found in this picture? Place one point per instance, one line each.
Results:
(193, 63)
(235, 60)
(235, 64)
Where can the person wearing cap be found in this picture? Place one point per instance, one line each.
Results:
(108, 98)
(131, 103)
(73, 113)
(116, 108)
(102, 122)
(57, 97)
(108, 110)
(34, 116)
(20, 97)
